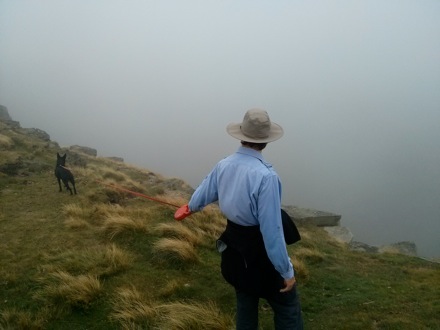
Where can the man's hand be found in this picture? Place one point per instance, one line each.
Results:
(182, 212)
(289, 284)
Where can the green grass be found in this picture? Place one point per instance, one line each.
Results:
(105, 260)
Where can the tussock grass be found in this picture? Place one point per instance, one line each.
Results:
(98, 261)
(76, 223)
(174, 250)
(311, 255)
(114, 175)
(307, 240)
(179, 231)
(74, 210)
(84, 173)
(102, 211)
(117, 259)
(194, 315)
(117, 224)
(170, 288)
(62, 288)
(132, 310)
(302, 272)
(5, 141)
(211, 222)
(18, 319)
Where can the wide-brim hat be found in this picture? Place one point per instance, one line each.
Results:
(256, 127)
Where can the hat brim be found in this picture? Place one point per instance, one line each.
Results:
(276, 132)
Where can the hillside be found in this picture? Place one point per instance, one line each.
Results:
(105, 259)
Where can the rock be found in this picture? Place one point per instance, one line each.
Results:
(405, 247)
(85, 150)
(116, 159)
(341, 234)
(37, 133)
(4, 114)
(315, 217)
(363, 247)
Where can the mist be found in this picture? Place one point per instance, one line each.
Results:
(354, 84)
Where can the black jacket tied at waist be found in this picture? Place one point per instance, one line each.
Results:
(245, 263)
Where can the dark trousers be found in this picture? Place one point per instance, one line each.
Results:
(287, 311)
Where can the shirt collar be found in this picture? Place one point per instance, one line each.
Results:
(250, 152)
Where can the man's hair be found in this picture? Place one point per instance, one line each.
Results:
(253, 145)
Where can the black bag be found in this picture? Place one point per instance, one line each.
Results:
(291, 233)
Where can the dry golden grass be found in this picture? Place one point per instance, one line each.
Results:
(312, 255)
(307, 239)
(301, 270)
(98, 261)
(114, 175)
(16, 319)
(186, 315)
(5, 141)
(104, 210)
(117, 224)
(211, 222)
(132, 310)
(117, 259)
(83, 172)
(173, 249)
(74, 210)
(60, 287)
(76, 223)
(170, 288)
(180, 231)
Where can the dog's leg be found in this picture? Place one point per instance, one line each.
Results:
(59, 184)
(66, 183)
(72, 181)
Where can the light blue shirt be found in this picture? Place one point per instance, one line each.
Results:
(249, 193)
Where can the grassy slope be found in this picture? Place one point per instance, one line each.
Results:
(52, 243)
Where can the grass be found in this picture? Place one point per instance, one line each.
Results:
(106, 260)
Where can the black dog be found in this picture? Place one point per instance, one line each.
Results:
(63, 174)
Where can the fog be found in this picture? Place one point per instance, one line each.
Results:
(354, 84)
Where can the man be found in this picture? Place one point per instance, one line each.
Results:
(254, 255)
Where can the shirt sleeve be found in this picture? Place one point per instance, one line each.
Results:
(206, 193)
(269, 217)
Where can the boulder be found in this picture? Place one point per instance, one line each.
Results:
(4, 114)
(341, 234)
(311, 216)
(85, 150)
(363, 247)
(405, 247)
(116, 159)
(36, 133)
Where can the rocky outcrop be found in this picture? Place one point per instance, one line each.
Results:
(314, 217)
(36, 133)
(331, 224)
(116, 159)
(404, 247)
(339, 233)
(85, 150)
(4, 114)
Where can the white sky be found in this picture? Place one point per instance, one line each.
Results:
(355, 85)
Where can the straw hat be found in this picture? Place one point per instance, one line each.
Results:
(256, 127)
